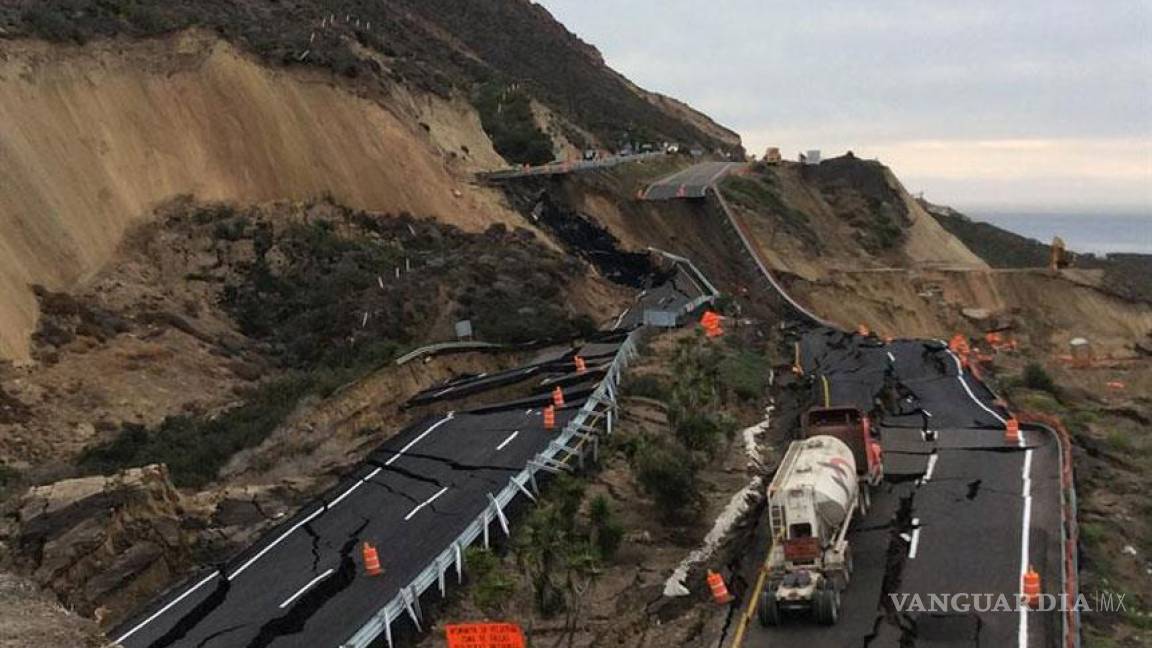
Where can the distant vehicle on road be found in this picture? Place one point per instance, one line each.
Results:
(672, 148)
(591, 154)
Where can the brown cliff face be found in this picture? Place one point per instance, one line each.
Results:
(99, 542)
(94, 138)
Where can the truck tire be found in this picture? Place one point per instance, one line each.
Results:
(768, 612)
(826, 606)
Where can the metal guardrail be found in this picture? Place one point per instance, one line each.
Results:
(571, 442)
(751, 249)
(1070, 527)
(555, 168)
(445, 346)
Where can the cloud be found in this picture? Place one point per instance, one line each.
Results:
(1030, 89)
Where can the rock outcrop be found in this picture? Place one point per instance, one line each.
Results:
(100, 542)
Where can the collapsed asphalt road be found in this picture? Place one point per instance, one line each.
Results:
(303, 583)
(692, 182)
(961, 511)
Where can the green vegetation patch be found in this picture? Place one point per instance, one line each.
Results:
(506, 115)
(327, 300)
(758, 192)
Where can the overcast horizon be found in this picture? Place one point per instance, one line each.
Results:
(1033, 107)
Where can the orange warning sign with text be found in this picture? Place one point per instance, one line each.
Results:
(484, 635)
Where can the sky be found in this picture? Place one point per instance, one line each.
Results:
(1020, 106)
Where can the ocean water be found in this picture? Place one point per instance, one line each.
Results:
(1082, 232)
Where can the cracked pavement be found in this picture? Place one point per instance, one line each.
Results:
(302, 583)
(951, 516)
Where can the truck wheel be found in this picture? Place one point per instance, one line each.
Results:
(826, 606)
(768, 611)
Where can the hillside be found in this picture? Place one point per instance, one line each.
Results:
(376, 104)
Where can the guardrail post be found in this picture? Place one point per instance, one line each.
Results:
(412, 604)
(499, 514)
(440, 569)
(459, 562)
(522, 489)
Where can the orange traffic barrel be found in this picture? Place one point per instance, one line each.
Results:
(371, 561)
(719, 589)
(549, 417)
(1032, 586)
(581, 366)
(558, 397)
(1012, 430)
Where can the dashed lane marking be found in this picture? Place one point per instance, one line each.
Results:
(288, 601)
(425, 503)
(507, 441)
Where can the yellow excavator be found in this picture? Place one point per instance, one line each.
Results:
(1060, 256)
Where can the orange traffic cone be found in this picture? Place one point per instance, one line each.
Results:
(549, 418)
(1012, 431)
(581, 367)
(1032, 586)
(558, 397)
(719, 589)
(371, 561)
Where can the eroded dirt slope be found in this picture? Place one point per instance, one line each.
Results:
(93, 138)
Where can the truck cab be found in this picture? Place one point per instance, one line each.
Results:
(854, 427)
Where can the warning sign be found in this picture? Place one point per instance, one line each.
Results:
(484, 635)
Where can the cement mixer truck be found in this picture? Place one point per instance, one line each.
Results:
(811, 501)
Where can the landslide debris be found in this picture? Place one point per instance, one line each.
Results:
(301, 300)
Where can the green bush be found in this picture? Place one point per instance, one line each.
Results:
(668, 474)
(745, 374)
(506, 116)
(699, 432)
(196, 447)
(606, 532)
(491, 584)
(648, 386)
(1035, 377)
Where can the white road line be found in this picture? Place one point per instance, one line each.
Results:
(1026, 526)
(891, 357)
(353, 487)
(960, 377)
(312, 582)
(915, 538)
(425, 503)
(275, 542)
(346, 493)
(417, 439)
(716, 175)
(931, 466)
(164, 609)
(507, 441)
